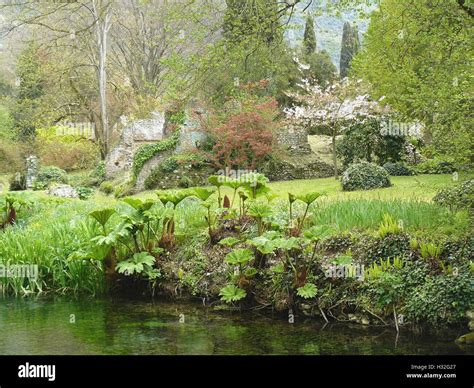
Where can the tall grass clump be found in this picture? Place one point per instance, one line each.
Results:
(47, 239)
(413, 216)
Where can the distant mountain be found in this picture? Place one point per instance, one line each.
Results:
(328, 27)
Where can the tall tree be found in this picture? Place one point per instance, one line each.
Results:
(418, 56)
(349, 47)
(309, 38)
(158, 47)
(321, 69)
(101, 11)
(252, 49)
(30, 89)
(82, 28)
(115, 57)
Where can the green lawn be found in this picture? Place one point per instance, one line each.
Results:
(419, 187)
(408, 201)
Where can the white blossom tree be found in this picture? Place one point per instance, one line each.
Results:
(337, 106)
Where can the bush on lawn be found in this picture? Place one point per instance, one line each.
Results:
(398, 169)
(18, 182)
(365, 176)
(107, 187)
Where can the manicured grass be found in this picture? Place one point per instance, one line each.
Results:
(419, 187)
(408, 201)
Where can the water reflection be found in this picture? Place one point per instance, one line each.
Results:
(117, 326)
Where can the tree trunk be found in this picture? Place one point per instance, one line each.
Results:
(102, 15)
(334, 155)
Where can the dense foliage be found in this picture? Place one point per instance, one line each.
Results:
(417, 56)
(243, 132)
(148, 151)
(366, 142)
(435, 166)
(234, 74)
(398, 169)
(349, 47)
(252, 250)
(182, 170)
(49, 174)
(364, 176)
(460, 196)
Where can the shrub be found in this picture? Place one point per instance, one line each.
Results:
(398, 169)
(18, 182)
(364, 176)
(243, 134)
(97, 175)
(10, 156)
(124, 189)
(84, 192)
(106, 187)
(457, 197)
(435, 166)
(441, 300)
(169, 165)
(185, 182)
(47, 175)
(71, 155)
(460, 250)
(369, 249)
(183, 170)
(368, 142)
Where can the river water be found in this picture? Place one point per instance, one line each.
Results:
(50, 326)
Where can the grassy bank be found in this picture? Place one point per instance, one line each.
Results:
(413, 252)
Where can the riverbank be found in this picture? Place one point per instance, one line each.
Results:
(372, 259)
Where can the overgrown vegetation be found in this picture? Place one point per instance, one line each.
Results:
(148, 151)
(260, 251)
(376, 246)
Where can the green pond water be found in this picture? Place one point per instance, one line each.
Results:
(47, 326)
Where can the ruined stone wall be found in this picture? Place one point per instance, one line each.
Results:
(293, 139)
(134, 134)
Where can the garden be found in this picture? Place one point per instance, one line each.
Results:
(265, 192)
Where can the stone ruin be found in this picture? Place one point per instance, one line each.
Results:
(295, 160)
(31, 170)
(140, 132)
(191, 134)
(293, 139)
(134, 135)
